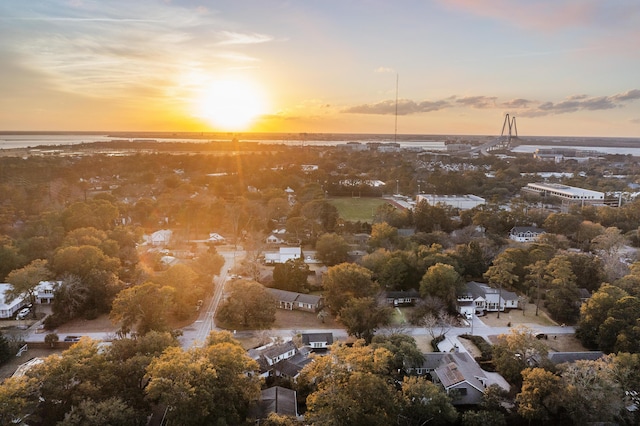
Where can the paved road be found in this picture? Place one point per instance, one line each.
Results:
(196, 333)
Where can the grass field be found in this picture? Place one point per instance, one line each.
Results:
(357, 209)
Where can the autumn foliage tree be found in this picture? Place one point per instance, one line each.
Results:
(249, 305)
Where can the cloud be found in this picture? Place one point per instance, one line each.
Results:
(582, 103)
(479, 102)
(523, 107)
(404, 107)
(233, 38)
(516, 103)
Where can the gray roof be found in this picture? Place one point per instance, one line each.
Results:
(278, 400)
(532, 229)
(309, 338)
(477, 290)
(458, 367)
(291, 296)
(561, 357)
(276, 350)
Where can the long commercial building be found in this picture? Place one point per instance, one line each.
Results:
(566, 193)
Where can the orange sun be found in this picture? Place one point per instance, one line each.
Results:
(231, 104)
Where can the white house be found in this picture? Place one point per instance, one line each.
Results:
(159, 238)
(216, 238)
(46, 290)
(282, 255)
(479, 298)
(317, 340)
(525, 234)
(9, 309)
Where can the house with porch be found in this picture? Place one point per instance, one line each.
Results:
(479, 298)
(317, 340)
(525, 234)
(291, 300)
(402, 297)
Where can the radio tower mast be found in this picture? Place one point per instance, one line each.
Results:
(395, 133)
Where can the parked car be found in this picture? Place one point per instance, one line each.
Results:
(23, 313)
(72, 339)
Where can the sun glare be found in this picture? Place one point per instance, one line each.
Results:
(231, 104)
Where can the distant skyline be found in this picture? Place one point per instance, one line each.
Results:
(562, 67)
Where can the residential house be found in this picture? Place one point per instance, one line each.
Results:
(160, 238)
(479, 298)
(282, 255)
(283, 359)
(291, 300)
(402, 297)
(317, 340)
(9, 309)
(525, 234)
(460, 375)
(276, 399)
(215, 238)
(463, 378)
(274, 239)
(45, 291)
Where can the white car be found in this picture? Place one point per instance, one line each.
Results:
(23, 313)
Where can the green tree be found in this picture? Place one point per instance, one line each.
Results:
(18, 399)
(346, 281)
(594, 311)
(291, 275)
(332, 249)
(249, 305)
(563, 297)
(620, 331)
(402, 347)
(423, 402)
(362, 317)
(187, 291)
(590, 393)
(384, 236)
(394, 274)
(540, 397)
(501, 274)
(210, 385)
(514, 351)
(112, 411)
(10, 257)
(142, 308)
(24, 282)
(444, 282)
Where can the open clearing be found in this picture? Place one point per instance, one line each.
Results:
(357, 209)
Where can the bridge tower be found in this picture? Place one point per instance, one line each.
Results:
(509, 124)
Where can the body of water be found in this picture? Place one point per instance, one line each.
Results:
(13, 141)
(9, 141)
(600, 149)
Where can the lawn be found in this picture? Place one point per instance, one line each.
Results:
(357, 209)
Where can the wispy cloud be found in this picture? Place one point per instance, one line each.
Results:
(480, 102)
(524, 107)
(232, 38)
(404, 107)
(581, 103)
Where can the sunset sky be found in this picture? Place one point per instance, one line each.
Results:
(562, 67)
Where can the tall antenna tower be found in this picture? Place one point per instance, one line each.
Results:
(395, 133)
